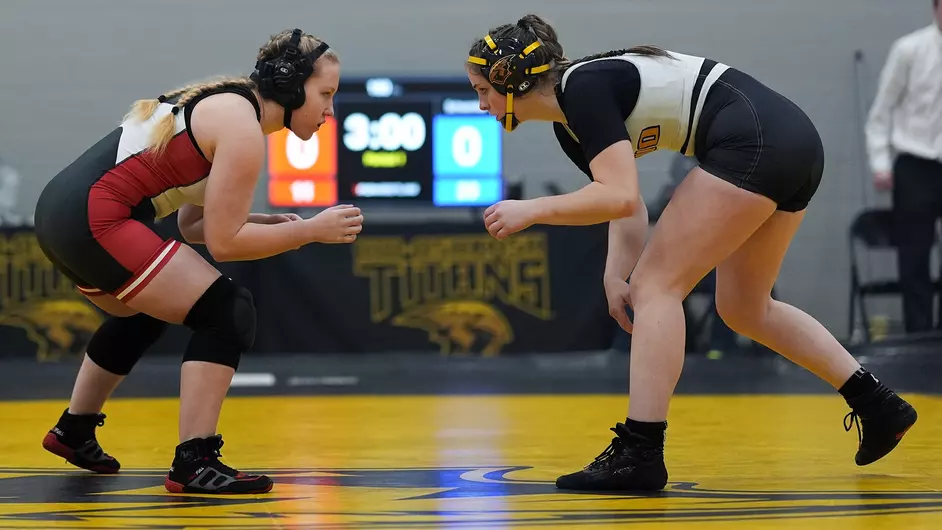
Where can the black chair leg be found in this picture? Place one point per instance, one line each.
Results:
(852, 313)
(864, 318)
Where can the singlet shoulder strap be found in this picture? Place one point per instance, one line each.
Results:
(247, 94)
(235, 89)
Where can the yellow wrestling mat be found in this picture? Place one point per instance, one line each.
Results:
(455, 462)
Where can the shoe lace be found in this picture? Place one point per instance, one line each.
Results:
(100, 421)
(215, 447)
(851, 419)
(608, 456)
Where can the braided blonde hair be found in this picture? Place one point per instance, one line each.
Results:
(143, 109)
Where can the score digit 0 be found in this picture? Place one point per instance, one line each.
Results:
(467, 146)
(301, 155)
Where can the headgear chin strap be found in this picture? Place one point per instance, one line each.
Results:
(508, 66)
(282, 78)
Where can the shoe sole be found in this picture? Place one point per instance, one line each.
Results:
(176, 487)
(655, 483)
(638, 490)
(54, 446)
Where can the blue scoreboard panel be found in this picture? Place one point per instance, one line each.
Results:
(417, 141)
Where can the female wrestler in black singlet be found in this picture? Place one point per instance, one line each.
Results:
(93, 221)
(760, 162)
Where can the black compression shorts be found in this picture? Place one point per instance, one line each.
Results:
(760, 141)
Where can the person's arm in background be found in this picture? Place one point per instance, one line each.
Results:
(892, 86)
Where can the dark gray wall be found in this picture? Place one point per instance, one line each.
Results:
(69, 69)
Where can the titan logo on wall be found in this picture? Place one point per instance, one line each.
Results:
(452, 286)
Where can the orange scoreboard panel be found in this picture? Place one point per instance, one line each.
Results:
(303, 173)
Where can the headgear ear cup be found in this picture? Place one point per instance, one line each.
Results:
(282, 78)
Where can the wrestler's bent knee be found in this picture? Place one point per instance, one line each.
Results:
(223, 321)
(121, 341)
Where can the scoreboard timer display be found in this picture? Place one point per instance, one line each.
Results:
(416, 141)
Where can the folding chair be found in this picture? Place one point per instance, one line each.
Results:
(872, 229)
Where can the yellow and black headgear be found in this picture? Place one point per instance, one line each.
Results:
(508, 64)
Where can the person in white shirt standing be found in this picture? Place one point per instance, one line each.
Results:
(904, 144)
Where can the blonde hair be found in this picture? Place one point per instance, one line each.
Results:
(143, 109)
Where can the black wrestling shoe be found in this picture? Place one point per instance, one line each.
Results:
(73, 438)
(196, 469)
(630, 463)
(885, 417)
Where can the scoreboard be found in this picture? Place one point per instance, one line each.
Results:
(410, 140)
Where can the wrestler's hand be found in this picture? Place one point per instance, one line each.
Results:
(618, 294)
(337, 224)
(508, 217)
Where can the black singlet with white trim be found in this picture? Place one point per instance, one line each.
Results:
(737, 128)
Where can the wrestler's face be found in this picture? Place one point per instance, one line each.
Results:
(319, 90)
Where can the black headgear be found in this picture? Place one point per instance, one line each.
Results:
(282, 78)
(508, 66)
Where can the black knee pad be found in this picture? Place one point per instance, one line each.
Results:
(223, 324)
(121, 341)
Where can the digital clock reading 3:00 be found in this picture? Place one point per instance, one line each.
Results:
(385, 141)
(385, 150)
(390, 132)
